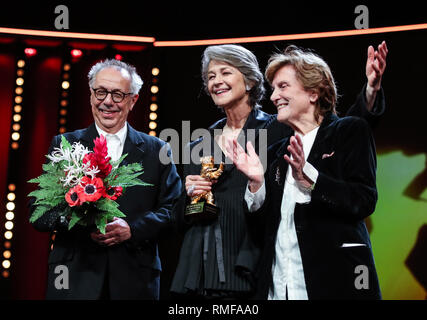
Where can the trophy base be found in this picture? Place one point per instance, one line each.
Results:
(201, 211)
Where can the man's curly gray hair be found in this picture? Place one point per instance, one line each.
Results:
(127, 70)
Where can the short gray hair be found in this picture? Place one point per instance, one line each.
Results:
(135, 80)
(242, 59)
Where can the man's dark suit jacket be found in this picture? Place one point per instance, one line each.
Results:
(344, 195)
(131, 268)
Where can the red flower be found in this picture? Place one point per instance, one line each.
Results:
(113, 193)
(89, 157)
(101, 154)
(99, 157)
(73, 196)
(92, 189)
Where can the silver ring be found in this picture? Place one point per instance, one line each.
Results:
(191, 189)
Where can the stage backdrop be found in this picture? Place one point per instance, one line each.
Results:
(398, 226)
(42, 94)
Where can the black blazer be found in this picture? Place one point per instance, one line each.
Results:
(344, 195)
(132, 267)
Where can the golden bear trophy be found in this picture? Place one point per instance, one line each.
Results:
(205, 210)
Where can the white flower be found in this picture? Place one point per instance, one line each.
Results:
(91, 171)
(73, 155)
(74, 167)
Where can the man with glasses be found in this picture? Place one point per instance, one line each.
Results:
(124, 263)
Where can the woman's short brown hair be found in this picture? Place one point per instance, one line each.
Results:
(312, 72)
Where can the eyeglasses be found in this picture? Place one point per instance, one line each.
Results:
(116, 95)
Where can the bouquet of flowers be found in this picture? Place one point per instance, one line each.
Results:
(85, 183)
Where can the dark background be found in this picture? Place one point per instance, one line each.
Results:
(181, 95)
(185, 20)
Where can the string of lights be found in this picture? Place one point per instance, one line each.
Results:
(15, 137)
(64, 98)
(154, 101)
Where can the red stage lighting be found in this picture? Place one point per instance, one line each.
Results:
(118, 57)
(29, 52)
(76, 53)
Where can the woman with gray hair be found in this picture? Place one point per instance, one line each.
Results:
(218, 257)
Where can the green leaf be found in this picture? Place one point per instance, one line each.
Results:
(74, 219)
(101, 223)
(38, 212)
(118, 161)
(65, 144)
(126, 176)
(110, 208)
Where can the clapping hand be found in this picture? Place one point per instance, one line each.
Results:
(248, 163)
(297, 162)
(375, 65)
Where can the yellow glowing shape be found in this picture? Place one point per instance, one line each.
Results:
(15, 136)
(154, 89)
(10, 215)
(7, 254)
(65, 85)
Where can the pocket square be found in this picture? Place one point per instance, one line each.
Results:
(351, 245)
(324, 156)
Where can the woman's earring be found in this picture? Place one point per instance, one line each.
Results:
(248, 88)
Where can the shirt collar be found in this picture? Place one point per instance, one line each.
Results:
(308, 140)
(121, 134)
(309, 135)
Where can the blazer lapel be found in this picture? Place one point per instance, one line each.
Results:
(322, 136)
(134, 147)
(88, 136)
(279, 166)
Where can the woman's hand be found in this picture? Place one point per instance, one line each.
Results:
(195, 185)
(375, 65)
(249, 164)
(297, 162)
